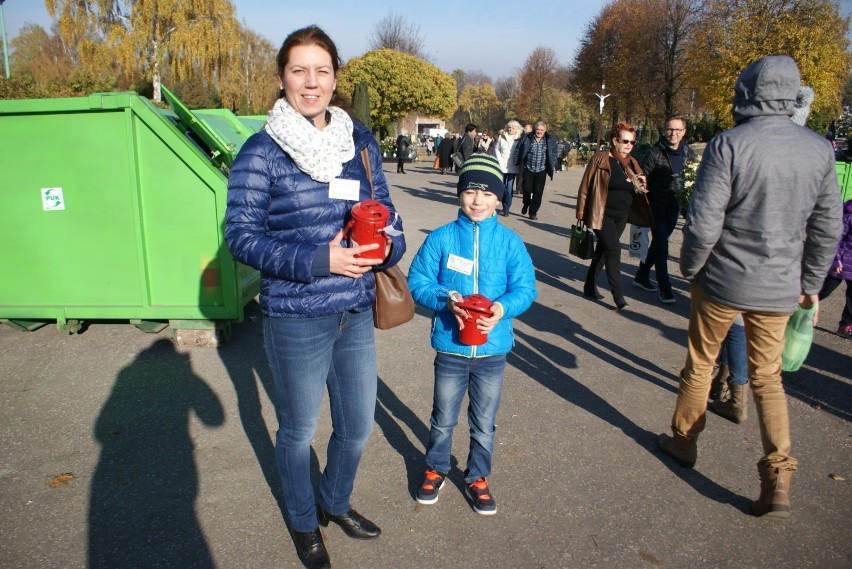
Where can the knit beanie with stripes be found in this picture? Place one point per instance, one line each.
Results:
(481, 172)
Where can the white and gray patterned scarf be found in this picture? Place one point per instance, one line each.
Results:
(318, 153)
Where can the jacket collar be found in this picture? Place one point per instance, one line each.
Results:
(468, 222)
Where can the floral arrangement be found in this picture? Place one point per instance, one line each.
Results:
(388, 146)
(686, 183)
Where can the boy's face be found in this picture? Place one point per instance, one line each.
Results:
(478, 205)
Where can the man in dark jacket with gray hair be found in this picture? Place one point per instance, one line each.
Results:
(760, 234)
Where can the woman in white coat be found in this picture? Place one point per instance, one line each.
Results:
(506, 151)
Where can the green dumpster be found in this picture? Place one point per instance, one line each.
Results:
(111, 209)
(844, 179)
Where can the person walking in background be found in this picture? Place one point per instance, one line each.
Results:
(506, 150)
(610, 194)
(729, 388)
(537, 154)
(468, 145)
(519, 181)
(402, 144)
(445, 152)
(761, 230)
(473, 254)
(840, 271)
(285, 216)
(663, 165)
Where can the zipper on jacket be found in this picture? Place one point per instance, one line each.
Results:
(475, 269)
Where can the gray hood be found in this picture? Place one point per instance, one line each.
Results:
(767, 87)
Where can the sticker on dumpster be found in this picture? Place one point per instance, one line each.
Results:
(52, 200)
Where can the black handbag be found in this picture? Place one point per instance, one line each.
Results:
(582, 241)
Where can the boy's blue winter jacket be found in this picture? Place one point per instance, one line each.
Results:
(501, 270)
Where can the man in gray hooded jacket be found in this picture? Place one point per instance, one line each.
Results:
(760, 233)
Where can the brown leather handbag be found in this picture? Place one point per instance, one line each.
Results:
(394, 304)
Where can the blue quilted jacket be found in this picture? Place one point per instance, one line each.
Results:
(278, 220)
(501, 270)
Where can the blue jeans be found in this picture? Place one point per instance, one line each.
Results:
(734, 354)
(664, 224)
(508, 187)
(482, 380)
(308, 356)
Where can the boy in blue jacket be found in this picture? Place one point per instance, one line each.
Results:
(472, 255)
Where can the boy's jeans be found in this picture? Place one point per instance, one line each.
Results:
(482, 379)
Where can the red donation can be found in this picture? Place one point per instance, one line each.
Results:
(476, 305)
(369, 217)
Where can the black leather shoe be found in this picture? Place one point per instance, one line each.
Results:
(620, 303)
(533, 217)
(352, 523)
(311, 549)
(525, 209)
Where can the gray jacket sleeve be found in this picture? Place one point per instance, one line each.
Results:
(822, 232)
(706, 214)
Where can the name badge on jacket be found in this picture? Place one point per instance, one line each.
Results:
(460, 264)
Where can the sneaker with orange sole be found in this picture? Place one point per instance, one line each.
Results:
(428, 491)
(480, 497)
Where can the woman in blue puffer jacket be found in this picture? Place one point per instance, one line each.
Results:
(290, 193)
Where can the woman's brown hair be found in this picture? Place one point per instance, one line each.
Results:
(311, 35)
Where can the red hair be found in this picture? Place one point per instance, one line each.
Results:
(618, 128)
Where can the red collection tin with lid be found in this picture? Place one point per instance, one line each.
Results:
(369, 218)
(476, 305)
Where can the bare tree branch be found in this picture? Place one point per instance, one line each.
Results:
(395, 32)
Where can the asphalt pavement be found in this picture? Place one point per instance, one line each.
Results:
(118, 449)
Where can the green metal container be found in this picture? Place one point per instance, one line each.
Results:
(113, 209)
(844, 180)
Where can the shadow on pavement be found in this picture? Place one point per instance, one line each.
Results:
(142, 509)
(527, 358)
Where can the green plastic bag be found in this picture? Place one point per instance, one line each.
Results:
(798, 337)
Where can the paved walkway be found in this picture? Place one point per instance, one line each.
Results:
(170, 461)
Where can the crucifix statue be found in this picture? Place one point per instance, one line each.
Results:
(601, 98)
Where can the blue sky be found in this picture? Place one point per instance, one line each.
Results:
(493, 36)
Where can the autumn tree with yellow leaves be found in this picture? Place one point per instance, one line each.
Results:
(249, 83)
(481, 106)
(659, 57)
(733, 33)
(191, 36)
(398, 84)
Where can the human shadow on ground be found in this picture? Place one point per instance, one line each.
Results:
(529, 357)
(540, 318)
(390, 410)
(143, 491)
(432, 195)
(552, 267)
(813, 385)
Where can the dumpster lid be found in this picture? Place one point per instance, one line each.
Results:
(223, 152)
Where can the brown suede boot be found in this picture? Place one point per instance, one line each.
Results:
(719, 386)
(774, 500)
(736, 408)
(684, 450)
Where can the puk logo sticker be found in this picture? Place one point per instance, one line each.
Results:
(52, 199)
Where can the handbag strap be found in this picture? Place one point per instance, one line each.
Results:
(365, 158)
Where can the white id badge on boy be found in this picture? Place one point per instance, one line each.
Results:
(460, 264)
